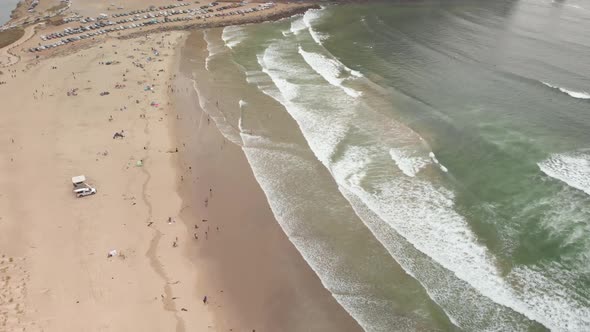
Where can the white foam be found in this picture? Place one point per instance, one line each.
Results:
(410, 165)
(331, 70)
(565, 217)
(270, 165)
(317, 36)
(274, 65)
(424, 215)
(226, 129)
(233, 35)
(441, 166)
(256, 77)
(310, 17)
(241, 105)
(464, 305)
(212, 48)
(421, 212)
(297, 26)
(355, 73)
(546, 286)
(288, 91)
(571, 93)
(571, 168)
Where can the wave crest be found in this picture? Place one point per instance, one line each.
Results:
(233, 35)
(331, 70)
(571, 93)
(571, 168)
(310, 17)
(409, 164)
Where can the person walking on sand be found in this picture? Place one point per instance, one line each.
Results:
(205, 300)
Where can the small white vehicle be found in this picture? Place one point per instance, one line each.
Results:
(81, 188)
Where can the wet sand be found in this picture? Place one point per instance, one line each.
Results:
(259, 280)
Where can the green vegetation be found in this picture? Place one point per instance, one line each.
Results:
(9, 36)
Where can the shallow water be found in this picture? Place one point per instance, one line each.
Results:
(6, 7)
(430, 161)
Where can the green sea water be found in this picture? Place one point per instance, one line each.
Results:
(429, 159)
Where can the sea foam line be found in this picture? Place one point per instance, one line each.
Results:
(212, 49)
(571, 93)
(233, 35)
(308, 19)
(331, 70)
(571, 168)
(463, 304)
(409, 164)
(442, 167)
(297, 25)
(226, 129)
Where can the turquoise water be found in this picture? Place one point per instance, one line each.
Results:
(6, 7)
(430, 160)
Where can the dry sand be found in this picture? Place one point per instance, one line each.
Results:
(54, 271)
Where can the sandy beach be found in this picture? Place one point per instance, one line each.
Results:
(178, 237)
(55, 245)
(294, 166)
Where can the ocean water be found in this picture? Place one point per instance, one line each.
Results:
(6, 7)
(430, 159)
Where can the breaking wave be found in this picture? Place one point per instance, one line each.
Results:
(226, 129)
(420, 211)
(441, 166)
(310, 17)
(571, 168)
(233, 35)
(407, 162)
(410, 162)
(213, 48)
(297, 26)
(571, 93)
(331, 70)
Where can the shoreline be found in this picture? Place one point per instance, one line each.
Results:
(260, 277)
(53, 246)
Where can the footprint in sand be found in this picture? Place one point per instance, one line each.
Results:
(13, 284)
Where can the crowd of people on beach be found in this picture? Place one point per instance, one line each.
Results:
(145, 17)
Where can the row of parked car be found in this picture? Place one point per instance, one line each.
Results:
(151, 9)
(107, 30)
(75, 31)
(242, 11)
(68, 40)
(162, 14)
(101, 23)
(103, 27)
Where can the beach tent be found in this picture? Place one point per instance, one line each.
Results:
(78, 179)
